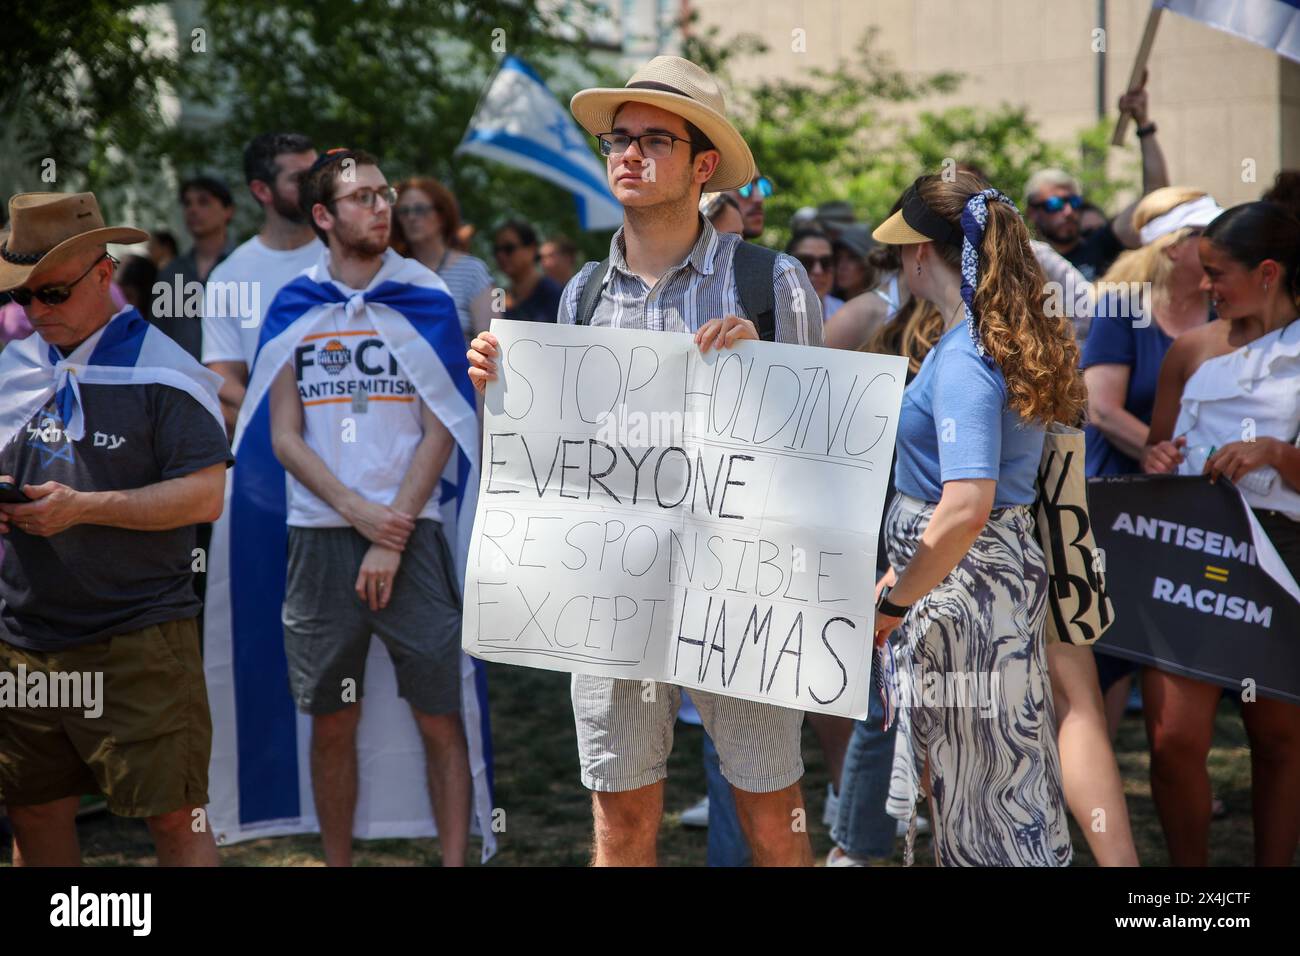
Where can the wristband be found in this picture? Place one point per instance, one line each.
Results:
(886, 606)
(1144, 131)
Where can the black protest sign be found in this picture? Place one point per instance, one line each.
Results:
(1183, 568)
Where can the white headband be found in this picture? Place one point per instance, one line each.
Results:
(1195, 212)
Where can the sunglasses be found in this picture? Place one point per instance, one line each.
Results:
(764, 188)
(54, 294)
(505, 249)
(1057, 203)
(810, 262)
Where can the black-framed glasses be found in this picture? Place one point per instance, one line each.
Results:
(762, 183)
(54, 294)
(1057, 203)
(650, 145)
(809, 262)
(414, 210)
(365, 197)
(505, 249)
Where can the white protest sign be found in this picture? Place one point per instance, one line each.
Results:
(706, 520)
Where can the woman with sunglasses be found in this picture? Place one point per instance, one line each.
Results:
(1244, 367)
(813, 250)
(533, 296)
(425, 222)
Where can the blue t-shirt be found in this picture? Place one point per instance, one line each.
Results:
(1114, 340)
(955, 423)
(542, 306)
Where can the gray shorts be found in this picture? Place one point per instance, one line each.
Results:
(625, 733)
(327, 628)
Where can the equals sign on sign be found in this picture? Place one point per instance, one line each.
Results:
(1216, 574)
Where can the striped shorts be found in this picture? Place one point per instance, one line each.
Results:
(976, 698)
(625, 733)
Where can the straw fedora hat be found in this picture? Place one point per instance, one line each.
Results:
(48, 229)
(680, 87)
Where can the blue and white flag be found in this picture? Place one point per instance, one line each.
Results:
(126, 350)
(519, 122)
(1271, 23)
(260, 778)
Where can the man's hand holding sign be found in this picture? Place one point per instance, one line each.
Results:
(716, 333)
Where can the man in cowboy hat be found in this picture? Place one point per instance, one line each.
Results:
(113, 435)
(666, 138)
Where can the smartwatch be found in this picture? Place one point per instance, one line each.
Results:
(886, 606)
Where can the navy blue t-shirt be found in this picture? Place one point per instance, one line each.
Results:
(1117, 338)
(542, 306)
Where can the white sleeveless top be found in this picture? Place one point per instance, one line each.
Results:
(892, 296)
(1255, 389)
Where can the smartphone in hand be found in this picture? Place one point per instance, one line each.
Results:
(11, 494)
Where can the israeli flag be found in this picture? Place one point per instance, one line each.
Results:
(1271, 23)
(260, 777)
(126, 350)
(519, 122)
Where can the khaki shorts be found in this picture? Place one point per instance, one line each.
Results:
(625, 734)
(139, 731)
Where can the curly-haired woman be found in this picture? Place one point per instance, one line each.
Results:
(968, 584)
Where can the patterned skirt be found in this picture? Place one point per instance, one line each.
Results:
(975, 698)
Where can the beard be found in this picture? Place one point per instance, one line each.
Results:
(286, 209)
(359, 240)
(1066, 232)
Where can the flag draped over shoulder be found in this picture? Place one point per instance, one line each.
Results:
(260, 783)
(126, 350)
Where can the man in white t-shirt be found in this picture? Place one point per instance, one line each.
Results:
(366, 550)
(241, 287)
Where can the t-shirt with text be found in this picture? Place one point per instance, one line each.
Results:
(367, 443)
(91, 582)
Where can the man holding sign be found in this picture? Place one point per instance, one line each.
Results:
(666, 140)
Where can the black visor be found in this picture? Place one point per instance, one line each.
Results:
(926, 221)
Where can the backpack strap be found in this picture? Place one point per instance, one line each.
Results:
(591, 294)
(755, 266)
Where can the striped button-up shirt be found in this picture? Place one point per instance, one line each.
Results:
(701, 288)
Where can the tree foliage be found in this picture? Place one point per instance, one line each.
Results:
(84, 83)
(400, 78)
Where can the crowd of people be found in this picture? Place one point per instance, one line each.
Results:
(98, 535)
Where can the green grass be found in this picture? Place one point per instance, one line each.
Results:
(548, 812)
